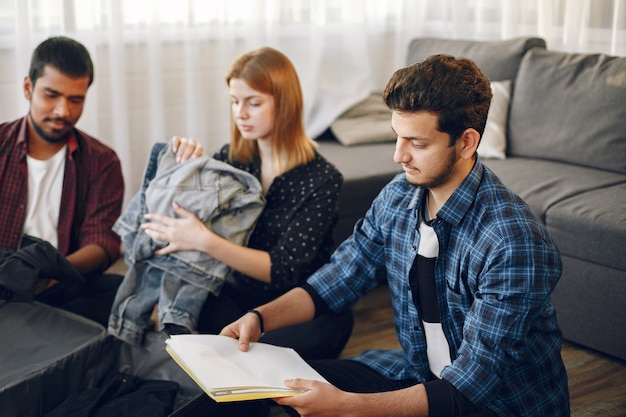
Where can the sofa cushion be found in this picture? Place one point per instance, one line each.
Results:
(366, 122)
(592, 226)
(542, 184)
(570, 107)
(499, 60)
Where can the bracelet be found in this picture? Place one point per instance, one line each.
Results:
(260, 317)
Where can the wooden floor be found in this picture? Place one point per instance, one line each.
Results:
(597, 382)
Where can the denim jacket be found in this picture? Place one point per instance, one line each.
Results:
(226, 199)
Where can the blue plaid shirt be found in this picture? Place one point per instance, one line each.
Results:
(496, 268)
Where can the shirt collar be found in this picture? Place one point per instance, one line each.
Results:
(72, 144)
(463, 197)
(416, 200)
(459, 202)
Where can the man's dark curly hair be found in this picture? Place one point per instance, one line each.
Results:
(453, 88)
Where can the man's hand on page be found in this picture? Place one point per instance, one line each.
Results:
(319, 400)
(246, 329)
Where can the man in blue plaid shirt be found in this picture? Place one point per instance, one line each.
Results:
(469, 266)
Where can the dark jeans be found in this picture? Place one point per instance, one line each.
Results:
(92, 300)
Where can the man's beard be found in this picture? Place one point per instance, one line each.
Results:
(443, 177)
(58, 138)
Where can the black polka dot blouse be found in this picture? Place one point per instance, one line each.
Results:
(296, 225)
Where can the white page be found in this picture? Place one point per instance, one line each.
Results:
(217, 362)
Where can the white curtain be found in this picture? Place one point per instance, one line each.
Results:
(160, 64)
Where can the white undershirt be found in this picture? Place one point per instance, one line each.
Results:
(437, 347)
(45, 186)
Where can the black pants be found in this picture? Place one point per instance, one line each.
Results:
(92, 300)
(120, 395)
(345, 374)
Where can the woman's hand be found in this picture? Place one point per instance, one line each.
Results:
(184, 233)
(186, 148)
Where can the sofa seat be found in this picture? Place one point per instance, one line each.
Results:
(543, 183)
(366, 170)
(599, 234)
(590, 229)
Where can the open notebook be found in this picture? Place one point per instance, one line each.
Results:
(226, 374)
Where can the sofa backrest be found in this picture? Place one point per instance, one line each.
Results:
(499, 60)
(570, 107)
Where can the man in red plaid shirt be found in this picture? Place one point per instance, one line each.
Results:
(60, 184)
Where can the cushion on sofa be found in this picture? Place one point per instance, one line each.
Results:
(366, 122)
(493, 142)
(570, 107)
(542, 184)
(499, 60)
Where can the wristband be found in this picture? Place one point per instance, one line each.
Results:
(260, 317)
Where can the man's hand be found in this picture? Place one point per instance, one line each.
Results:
(186, 148)
(325, 400)
(320, 399)
(247, 329)
(184, 233)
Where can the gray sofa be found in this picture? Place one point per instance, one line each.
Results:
(565, 156)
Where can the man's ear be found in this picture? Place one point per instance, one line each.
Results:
(470, 139)
(28, 88)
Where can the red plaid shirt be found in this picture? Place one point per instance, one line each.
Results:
(93, 191)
